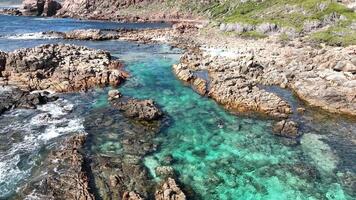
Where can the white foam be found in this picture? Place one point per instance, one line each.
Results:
(49, 121)
(53, 131)
(31, 36)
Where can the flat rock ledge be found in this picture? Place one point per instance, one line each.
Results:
(60, 68)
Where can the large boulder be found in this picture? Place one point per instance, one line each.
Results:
(40, 7)
(62, 68)
(138, 109)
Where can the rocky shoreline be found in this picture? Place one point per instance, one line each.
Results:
(232, 71)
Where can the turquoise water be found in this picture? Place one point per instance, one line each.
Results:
(222, 156)
(216, 155)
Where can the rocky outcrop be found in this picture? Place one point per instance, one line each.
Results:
(323, 77)
(11, 98)
(92, 34)
(65, 176)
(62, 68)
(169, 190)
(138, 109)
(40, 7)
(233, 84)
(126, 10)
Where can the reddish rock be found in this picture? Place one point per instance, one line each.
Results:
(62, 68)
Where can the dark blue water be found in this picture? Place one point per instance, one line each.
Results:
(215, 153)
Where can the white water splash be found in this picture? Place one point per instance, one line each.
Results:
(31, 36)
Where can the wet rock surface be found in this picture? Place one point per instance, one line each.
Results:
(11, 98)
(65, 177)
(117, 164)
(62, 68)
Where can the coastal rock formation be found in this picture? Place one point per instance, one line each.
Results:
(323, 77)
(62, 68)
(233, 84)
(65, 176)
(169, 190)
(125, 10)
(138, 109)
(11, 98)
(40, 7)
(91, 34)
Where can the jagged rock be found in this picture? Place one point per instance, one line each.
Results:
(40, 7)
(286, 128)
(311, 25)
(233, 84)
(200, 86)
(65, 176)
(131, 196)
(169, 190)
(138, 109)
(15, 98)
(267, 28)
(91, 34)
(114, 94)
(62, 68)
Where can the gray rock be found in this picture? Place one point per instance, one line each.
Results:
(222, 27)
(267, 28)
(114, 94)
(312, 25)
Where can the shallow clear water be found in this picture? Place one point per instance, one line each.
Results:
(217, 155)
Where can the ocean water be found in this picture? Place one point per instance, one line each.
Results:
(216, 155)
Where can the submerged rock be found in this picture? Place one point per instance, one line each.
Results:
(286, 128)
(164, 171)
(62, 68)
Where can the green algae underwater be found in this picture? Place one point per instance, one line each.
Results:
(218, 155)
